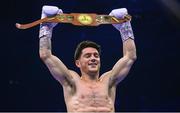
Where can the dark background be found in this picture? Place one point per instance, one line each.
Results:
(152, 84)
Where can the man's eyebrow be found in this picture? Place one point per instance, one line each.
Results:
(87, 53)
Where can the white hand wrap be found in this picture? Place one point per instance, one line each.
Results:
(47, 28)
(124, 28)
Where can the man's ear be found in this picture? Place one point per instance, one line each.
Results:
(77, 62)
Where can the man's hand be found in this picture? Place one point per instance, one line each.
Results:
(124, 28)
(46, 28)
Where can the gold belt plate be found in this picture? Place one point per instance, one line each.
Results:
(85, 19)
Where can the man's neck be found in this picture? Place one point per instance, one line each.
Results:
(90, 78)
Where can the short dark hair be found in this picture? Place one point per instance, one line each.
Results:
(84, 44)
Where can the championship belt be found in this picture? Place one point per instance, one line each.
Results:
(79, 19)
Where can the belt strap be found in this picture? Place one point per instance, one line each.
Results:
(79, 19)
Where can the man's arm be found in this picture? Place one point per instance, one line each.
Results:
(59, 71)
(122, 67)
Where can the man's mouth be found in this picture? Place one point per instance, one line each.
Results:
(92, 64)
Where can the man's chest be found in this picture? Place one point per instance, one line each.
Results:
(91, 95)
(96, 90)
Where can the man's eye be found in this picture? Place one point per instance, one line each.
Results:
(87, 55)
(96, 55)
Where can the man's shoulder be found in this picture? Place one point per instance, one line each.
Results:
(105, 75)
(74, 74)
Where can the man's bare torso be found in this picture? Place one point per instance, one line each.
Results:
(90, 97)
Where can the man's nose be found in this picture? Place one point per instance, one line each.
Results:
(93, 60)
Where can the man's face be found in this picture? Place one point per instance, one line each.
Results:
(89, 61)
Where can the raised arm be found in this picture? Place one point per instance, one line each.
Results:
(123, 65)
(59, 71)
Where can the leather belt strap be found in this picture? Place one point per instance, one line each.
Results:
(79, 19)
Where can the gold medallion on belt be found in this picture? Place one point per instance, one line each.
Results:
(85, 19)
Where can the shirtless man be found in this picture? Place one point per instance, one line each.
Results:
(88, 92)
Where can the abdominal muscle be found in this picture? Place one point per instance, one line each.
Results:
(91, 104)
(90, 100)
